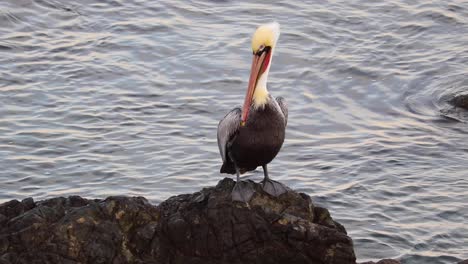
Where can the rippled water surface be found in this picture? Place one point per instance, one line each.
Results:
(113, 97)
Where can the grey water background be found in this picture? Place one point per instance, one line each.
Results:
(117, 97)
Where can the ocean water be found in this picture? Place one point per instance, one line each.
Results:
(114, 97)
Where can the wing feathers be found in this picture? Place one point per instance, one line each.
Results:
(227, 128)
(284, 108)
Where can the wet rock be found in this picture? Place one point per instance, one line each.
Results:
(463, 262)
(204, 227)
(383, 261)
(267, 230)
(460, 100)
(75, 230)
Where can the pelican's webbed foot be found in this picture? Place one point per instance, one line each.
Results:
(273, 188)
(242, 191)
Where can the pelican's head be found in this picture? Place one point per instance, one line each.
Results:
(265, 36)
(263, 44)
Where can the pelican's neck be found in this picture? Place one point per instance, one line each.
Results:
(260, 96)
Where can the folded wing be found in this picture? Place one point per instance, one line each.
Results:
(284, 108)
(227, 129)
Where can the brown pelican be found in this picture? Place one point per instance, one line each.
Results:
(252, 136)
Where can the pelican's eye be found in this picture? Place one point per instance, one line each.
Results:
(261, 49)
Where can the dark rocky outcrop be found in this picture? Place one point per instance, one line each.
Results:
(383, 261)
(204, 227)
(460, 100)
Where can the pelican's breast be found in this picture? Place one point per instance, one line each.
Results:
(260, 140)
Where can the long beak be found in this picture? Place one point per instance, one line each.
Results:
(257, 63)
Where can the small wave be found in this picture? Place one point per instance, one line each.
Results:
(413, 29)
(439, 17)
(140, 26)
(5, 48)
(55, 5)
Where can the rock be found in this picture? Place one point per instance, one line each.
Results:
(463, 262)
(460, 100)
(204, 227)
(287, 229)
(383, 261)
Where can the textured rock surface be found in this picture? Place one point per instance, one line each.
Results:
(460, 100)
(204, 227)
(383, 261)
